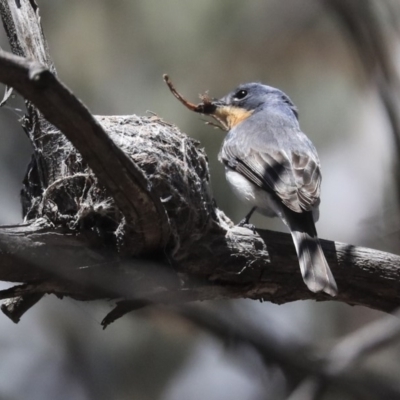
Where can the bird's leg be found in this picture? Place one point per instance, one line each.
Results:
(245, 222)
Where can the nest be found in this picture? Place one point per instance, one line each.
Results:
(174, 164)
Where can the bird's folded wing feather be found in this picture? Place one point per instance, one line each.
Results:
(294, 176)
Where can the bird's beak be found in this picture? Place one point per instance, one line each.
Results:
(218, 103)
(227, 114)
(209, 106)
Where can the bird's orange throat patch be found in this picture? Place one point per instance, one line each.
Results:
(231, 116)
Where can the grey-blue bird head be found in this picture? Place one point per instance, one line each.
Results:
(248, 98)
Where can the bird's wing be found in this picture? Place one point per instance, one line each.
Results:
(293, 176)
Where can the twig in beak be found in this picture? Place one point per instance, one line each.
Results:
(187, 104)
(206, 107)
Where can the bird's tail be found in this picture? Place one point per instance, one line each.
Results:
(313, 265)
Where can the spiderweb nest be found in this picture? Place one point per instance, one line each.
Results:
(175, 165)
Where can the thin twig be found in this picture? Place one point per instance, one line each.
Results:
(205, 107)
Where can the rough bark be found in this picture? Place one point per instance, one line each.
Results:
(120, 207)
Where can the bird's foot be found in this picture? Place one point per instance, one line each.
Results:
(244, 223)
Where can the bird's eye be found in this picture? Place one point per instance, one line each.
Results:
(239, 95)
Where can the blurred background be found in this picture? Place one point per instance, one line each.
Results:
(112, 55)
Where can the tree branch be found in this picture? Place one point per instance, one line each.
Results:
(295, 359)
(238, 264)
(77, 243)
(130, 189)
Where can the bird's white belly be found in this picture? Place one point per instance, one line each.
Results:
(252, 195)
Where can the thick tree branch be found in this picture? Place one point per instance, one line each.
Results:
(22, 23)
(158, 178)
(238, 264)
(125, 182)
(130, 189)
(77, 243)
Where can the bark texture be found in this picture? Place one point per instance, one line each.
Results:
(120, 207)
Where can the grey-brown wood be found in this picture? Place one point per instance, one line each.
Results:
(234, 264)
(129, 188)
(120, 207)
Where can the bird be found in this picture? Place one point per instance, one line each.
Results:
(274, 168)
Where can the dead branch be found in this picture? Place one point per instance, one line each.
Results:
(296, 358)
(123, 185)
